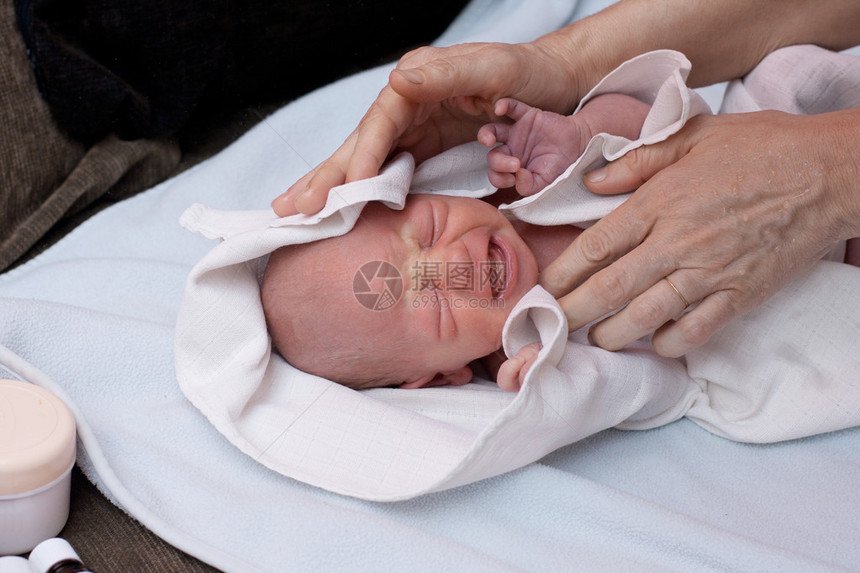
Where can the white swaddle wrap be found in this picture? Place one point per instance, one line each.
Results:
(783, 371)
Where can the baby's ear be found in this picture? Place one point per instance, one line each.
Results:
(458, 377)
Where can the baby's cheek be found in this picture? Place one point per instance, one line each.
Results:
(479, 329)
(502, 308)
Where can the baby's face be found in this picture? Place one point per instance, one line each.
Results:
(461, 267)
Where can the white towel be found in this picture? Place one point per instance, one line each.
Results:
(389, 444)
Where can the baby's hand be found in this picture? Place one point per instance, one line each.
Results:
(535, 149)
(512, 372)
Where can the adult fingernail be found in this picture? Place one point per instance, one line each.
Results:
(597, 175)
(413, 76)
(301, 199)
(281, 201)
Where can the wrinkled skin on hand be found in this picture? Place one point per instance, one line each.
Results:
(730, 209)
(436, 98)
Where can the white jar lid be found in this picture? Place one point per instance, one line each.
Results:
(37, 437)
(14, 564)
(50, 552)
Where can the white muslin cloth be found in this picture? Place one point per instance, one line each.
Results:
(389, 444)
(765, 378)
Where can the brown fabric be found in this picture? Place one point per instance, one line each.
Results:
(108, 540)
(47, 182)
(46, 176)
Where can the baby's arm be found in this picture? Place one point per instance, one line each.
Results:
(539, 145)
(512, 372)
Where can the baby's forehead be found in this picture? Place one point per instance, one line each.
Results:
(415, 204)
(378, 217)
(381, 213)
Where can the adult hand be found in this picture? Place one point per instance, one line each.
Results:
(437, 98)
(729, 210)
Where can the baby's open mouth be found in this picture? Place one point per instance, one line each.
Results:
(497, 271)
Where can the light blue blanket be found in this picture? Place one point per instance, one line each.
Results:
(93, 319)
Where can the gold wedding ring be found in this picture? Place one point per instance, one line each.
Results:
(677, 292)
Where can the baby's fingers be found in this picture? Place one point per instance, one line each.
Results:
(508, 377)
(503, 167)
(512, 372)
(493, 133)
(525, 183)
(512, 108)
(500, 159)
(487, 135)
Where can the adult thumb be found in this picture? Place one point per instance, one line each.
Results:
(635, 167)
(466, 70)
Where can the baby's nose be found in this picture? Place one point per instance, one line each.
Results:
(448, 267)
(459, 268)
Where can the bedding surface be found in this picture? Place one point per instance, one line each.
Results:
(93, 320)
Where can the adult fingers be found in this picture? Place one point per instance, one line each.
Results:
(378, 132)
(755, 203)
(695, 328)
(309, 194)
(480, 74)
(658, 306)
(359, 157)
(639, 165)
(596, 247)
(623, 229)
(284, 204)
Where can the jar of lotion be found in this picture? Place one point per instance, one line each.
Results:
(37, 453)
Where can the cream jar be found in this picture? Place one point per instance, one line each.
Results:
(37, 453)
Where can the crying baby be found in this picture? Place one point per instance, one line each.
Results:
(460, 263)
(408, 298)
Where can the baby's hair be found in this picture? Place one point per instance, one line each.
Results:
(303, 310)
